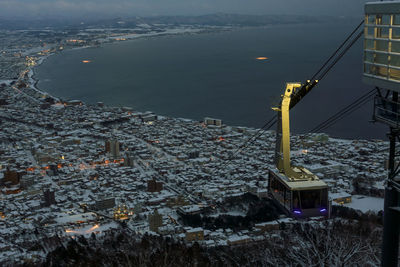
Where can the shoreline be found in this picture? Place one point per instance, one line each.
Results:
(34, 80)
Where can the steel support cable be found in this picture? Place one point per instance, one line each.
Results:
(348, 109)
(337, 50)
(340, 55)
(307, 87)
(344, 111)
(348, 113)
(251, 140)
(272, 122)
(331, 66)
(256, 135)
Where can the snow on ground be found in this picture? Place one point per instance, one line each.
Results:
(88, 230)
(74, 218)
(152, 34)
(365, 203)
(7, 82)
(38, 49)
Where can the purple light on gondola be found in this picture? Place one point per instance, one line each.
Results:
(322, 210)
(297, 211)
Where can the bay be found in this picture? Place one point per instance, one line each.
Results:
(218, 75)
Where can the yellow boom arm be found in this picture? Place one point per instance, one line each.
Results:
(282, 151)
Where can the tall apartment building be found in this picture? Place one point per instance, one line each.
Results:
(112, 147)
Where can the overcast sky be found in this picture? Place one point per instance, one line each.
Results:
(113, 8)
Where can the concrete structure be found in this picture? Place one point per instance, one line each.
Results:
(382, 45)
(211, 121)
(382, 70)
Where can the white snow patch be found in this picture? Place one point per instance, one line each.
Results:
(365, 203)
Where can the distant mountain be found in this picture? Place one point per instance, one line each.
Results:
(219, 19)
(20, 24)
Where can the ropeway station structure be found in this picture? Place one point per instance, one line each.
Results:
(382, 70)
(301, 193)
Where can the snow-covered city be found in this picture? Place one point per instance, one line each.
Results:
(71, 169)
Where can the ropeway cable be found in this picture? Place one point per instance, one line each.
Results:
(344, 112)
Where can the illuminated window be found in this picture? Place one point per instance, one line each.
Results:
(369, 44)
(369, 57)
(371, 19)
(381, 58)
(370, 32)
(382, 32)
(395, 33)
(396, 47)
(381, 71)
(396, 19)
(395, 60)
(383, 19)
(395, 74)
(375, 70)
(382, 45)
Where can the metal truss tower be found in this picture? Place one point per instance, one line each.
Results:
(387, 110)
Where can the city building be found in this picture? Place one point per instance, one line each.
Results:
(148, 118)
(112, 147)
(238, 240)
(155, 221)
(49, 198)
(193, 154)
(122, 212)
(105, 203)
(12, 177)
(190, 210)
(129, 160)
(211, 121)
(154, 186)
(194, 234)
(340, 198)
(26, 181)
